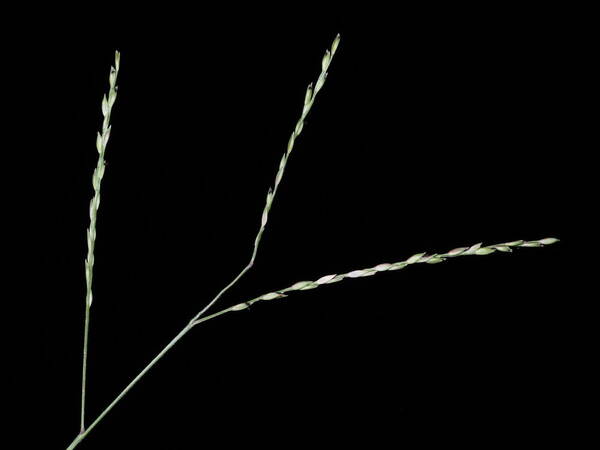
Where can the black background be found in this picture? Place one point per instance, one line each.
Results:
(435, 129)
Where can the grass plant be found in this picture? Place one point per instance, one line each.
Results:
(312, 91)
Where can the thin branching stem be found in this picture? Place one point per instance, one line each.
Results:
(118, 398)
(86, 331)
(309, 99)
(418, 258)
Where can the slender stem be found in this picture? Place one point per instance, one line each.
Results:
(118, 398)
(84, 432)
(84, 365)
(235, 280)
(309, 100)
(76, 441)
(211, 316)
(226, 288)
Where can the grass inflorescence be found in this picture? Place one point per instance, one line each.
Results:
(310, 96)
